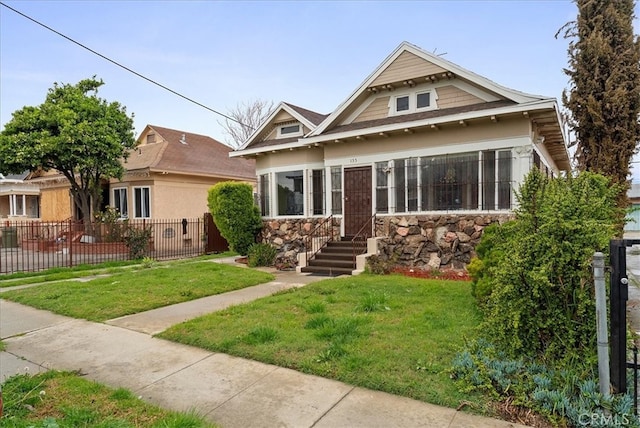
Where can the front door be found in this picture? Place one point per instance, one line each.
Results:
(357, 199)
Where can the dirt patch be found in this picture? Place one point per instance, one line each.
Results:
(448, 274)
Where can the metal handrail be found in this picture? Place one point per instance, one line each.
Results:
(359, 241)
(324, 231)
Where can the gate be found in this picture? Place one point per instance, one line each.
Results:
(215, 242)
(619, 294)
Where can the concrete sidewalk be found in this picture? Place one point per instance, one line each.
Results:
(230, 391)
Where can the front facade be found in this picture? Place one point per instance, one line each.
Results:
(420, 140)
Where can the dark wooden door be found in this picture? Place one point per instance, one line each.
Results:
(357, 199)
(215, 242)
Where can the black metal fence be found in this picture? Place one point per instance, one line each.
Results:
(34, 245)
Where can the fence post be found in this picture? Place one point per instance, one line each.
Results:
(70, 241)
(618, 304)
(601, 319)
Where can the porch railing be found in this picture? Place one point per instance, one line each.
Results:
(359, 241)
(319, 237)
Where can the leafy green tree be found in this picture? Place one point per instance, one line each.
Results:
(537, 279)
(235, 213)
(604, 93)
(74, 132)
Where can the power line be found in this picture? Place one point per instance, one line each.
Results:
(123, 66)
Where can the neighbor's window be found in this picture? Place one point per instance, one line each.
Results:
(290, 197)
(336, 190)
(120, 202)
(317, 191)
(264, 195)
(141, 202)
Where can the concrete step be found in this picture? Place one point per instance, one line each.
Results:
(333, 263)
(326, 270)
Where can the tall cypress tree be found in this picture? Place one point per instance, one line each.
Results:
(604, 93)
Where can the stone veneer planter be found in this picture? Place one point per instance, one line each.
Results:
(432, 241)
(427, 241)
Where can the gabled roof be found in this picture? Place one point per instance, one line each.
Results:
(447, 66)
(186, 153)
(308, 118)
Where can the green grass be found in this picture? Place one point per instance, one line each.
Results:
(388, 333)
(133, 291)
(80, 271)
(62, 399)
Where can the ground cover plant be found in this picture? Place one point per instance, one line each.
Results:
(390, 333)
(62, 399)
(130, 292)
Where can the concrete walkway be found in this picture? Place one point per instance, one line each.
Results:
(230, 391)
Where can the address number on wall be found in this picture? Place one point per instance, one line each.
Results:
(353, 160)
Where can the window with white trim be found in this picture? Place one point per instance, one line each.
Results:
(289, 130)
(142, 202)
(317, 191)
(120, 201)
(382, 187)
(463, 181)
(263, 196)
(336, 190)
(413, 102)
(290, 199)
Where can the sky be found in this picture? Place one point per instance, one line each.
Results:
(313, 54)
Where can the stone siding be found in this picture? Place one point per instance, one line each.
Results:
(432, 241)
(425, 241)
(289, 235)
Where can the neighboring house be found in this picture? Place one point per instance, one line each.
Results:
(168, 175)
(18, 199)
(434, 151)
(632, 227)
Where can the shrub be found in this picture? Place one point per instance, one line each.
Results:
(537, 267)
(235, 214)
(566, 397)
(261, 255)
(138, 239)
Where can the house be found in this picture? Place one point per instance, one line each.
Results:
(18, 199)
(167, 176)
(169, 173)
(421, 156)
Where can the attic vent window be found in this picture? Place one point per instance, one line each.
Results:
(413, 102)
(151, 138)
(289, 131)
(402, 103)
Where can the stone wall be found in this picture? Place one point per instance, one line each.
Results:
(432, 241)
(288, 236)
(425, 241)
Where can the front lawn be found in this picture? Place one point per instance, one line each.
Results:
(389, 333)
(61, 399)
(130, 292)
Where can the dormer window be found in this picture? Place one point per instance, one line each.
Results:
(289, 130)
(151, 138)
(413, 102)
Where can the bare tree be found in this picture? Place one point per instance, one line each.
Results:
(248, 116)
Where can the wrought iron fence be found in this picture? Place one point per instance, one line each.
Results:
(34, 245)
